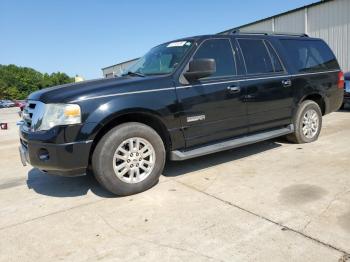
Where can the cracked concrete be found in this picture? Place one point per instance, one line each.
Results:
(336, 197)
(272, 201)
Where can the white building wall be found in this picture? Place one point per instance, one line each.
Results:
(329, 20)
(291, 23)
(261, 26)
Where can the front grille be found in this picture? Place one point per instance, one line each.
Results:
(32, 114)
(28, 112)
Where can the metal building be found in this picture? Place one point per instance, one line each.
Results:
(117, 69)
(328, 19)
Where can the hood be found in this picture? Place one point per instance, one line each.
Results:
(73, 91)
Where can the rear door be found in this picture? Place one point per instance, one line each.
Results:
(212, 108)
(269, 89)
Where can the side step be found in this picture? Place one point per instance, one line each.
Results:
(229, 144)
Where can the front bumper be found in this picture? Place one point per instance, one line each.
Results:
(43, 152)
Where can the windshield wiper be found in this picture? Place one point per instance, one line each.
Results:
(130, 73)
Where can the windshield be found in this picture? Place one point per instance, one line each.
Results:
(162, 59)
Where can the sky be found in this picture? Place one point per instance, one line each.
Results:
(79, 37)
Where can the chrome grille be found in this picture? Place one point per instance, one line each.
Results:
(27, 114)
(33, 114)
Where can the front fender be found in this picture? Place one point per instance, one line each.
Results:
(99, 112)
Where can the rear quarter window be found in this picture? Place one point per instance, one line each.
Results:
(310, 55)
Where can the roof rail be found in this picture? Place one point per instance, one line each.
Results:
(239, 32)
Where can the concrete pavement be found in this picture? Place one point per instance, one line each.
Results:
(271, 201)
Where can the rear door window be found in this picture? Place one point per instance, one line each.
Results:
(256, 56)
(310, 55)
(276, 62)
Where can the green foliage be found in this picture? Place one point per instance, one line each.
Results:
(18, 82)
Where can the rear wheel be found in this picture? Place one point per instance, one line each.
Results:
(307, 123)
(129, 159)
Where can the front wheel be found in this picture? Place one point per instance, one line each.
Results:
(129, 159)
(307, 123)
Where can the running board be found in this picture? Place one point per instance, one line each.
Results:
(229, 144)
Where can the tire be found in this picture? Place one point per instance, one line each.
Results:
(113, 152)
(299, 137)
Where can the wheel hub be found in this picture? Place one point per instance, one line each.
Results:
(310, 123)
(134, 160)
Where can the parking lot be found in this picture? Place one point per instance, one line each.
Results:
(272, 201)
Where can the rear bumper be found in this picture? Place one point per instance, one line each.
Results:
(66, 159)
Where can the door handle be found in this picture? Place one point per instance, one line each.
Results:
(287, 83)
(234, 89)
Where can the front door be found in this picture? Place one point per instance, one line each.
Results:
(213, 108)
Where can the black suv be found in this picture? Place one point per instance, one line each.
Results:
(183, 99)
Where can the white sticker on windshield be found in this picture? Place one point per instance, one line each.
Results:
(177, 44)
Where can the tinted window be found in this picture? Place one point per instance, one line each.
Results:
(256, 56)
(277, 66)
(310, 55)
(221, 51)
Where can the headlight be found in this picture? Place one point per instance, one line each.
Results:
(60, 114)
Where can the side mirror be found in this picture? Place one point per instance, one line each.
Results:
(199, 68)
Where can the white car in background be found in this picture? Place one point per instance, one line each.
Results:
(6, 104)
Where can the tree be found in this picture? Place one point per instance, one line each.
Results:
(3, 88)
(18, 82)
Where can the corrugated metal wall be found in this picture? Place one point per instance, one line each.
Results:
(263, 25)
(293, 22)
(329, 21)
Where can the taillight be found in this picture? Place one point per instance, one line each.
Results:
(341, 81)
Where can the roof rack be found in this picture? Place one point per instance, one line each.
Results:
(239, 32)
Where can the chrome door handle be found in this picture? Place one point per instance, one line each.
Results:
(233, 89)
(287, 83)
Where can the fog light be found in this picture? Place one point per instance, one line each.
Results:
(43, 154)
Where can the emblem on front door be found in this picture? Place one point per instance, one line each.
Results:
(195, 118)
